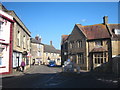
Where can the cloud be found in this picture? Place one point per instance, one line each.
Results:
(83, 20)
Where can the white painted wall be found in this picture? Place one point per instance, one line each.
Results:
(5, 35)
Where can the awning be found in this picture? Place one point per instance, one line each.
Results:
(24, 53)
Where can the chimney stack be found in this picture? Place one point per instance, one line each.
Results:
(105, 20)
(38, 38)
(51, 43)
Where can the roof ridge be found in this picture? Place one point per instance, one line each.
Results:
(93, 25)
(114, 24)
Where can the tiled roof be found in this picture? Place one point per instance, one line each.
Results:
(50, 49)
(64, 37)
(112, 27)
(96, 31)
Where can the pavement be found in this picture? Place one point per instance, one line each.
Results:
(17, 73)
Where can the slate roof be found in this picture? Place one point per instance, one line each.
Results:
(50, 49)
(96, 31)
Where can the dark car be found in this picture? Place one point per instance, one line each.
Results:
(52, 64)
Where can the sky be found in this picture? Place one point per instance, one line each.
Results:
(51, 20)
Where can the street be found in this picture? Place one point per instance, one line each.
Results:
(53, 77)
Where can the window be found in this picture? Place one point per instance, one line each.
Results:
(117, 31)
(24, 42)
(39, 53)
(80, 58)
(99, 58)
(98, 43)
(1, 29)
(18, 38)
(66, 45)
(38, 46)
(72, 44)
(79, 44)
(28, 43)
(27, 61)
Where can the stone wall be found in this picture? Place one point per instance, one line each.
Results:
(116, 65)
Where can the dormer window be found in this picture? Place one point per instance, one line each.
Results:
(98, 43)
(113, 30)
(117, 31)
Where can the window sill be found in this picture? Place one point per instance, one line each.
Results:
(2, 66)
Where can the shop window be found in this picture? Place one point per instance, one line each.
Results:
(27, 61)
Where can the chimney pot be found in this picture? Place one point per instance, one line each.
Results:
(105, 19)
(51, 43)
(37, 38)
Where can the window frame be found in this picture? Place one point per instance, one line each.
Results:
(99, 43)
(80, 58)
(99, 58)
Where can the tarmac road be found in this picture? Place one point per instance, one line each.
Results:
(53, 77)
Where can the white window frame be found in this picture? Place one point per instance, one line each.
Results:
(18, 38)
(1, 29)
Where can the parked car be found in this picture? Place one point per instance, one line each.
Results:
(52, 64)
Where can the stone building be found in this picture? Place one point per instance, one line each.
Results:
(50, 53)
(64, 48)
(114, 30)
(91, 46)
(37, 49)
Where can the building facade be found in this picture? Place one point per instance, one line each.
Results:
(50, 53)
(90, 46)
(21, 42)
(64, 48)
(114, 30)
(6, 38)
(37, 49)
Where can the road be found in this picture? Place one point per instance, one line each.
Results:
(52, 77)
